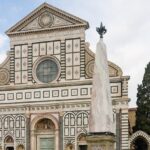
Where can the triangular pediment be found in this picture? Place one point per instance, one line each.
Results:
(46, 17)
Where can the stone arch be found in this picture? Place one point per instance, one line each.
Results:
(81, 141)
(20, 121)
(8, 139)
(82, 112)
(8, 142)
(69, 146)
(8, 135)
(83, 117)
(20, 116)
(141, 134)
(7, 117)
(48, 134)
(52, 118)
(20, 147)
(44, 124)
(69, 113)
(69, 119)
(8, 122)
(81, 136)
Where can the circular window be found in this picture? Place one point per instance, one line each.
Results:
(46, 70)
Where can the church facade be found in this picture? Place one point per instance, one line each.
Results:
(46, 85)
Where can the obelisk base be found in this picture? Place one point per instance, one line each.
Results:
(100, 141)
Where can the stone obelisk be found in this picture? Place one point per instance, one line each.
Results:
(101, 126)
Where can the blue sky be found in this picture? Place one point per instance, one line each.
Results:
(127, 22)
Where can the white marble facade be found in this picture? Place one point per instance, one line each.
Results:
(46, 84)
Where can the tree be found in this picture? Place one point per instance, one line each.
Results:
(143, 103)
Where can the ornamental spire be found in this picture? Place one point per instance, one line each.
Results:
(101, 30)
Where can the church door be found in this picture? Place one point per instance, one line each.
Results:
(10, 148)
(45, 134)
(83, 147)
(46, 143)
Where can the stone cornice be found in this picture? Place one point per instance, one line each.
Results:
(57, 84)
(37, 86)
(45, 30)
(46, 108)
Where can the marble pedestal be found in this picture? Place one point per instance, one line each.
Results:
(100, 141)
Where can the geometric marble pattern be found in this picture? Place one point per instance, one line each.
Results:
(2, 97)
(13, 126)
(21, 64)
(115, 89)
(69, 92)
(73, 92)
(76, 45)
(72, 59)
(84, 91)
(64, 92)
(46, 48)
(76, 72)
(50, 49)
(74, 123)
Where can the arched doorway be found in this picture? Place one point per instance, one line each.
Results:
(9, 143)
(139, 144)
(140, 141)
(45, 130)
(82, 144)
(44, 133)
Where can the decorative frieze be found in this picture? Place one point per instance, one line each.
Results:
(50, 94)
(46, 108)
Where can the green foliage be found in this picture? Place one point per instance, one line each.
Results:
(143, 103)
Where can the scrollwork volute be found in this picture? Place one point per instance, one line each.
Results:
(4, 76)
(90, 68)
